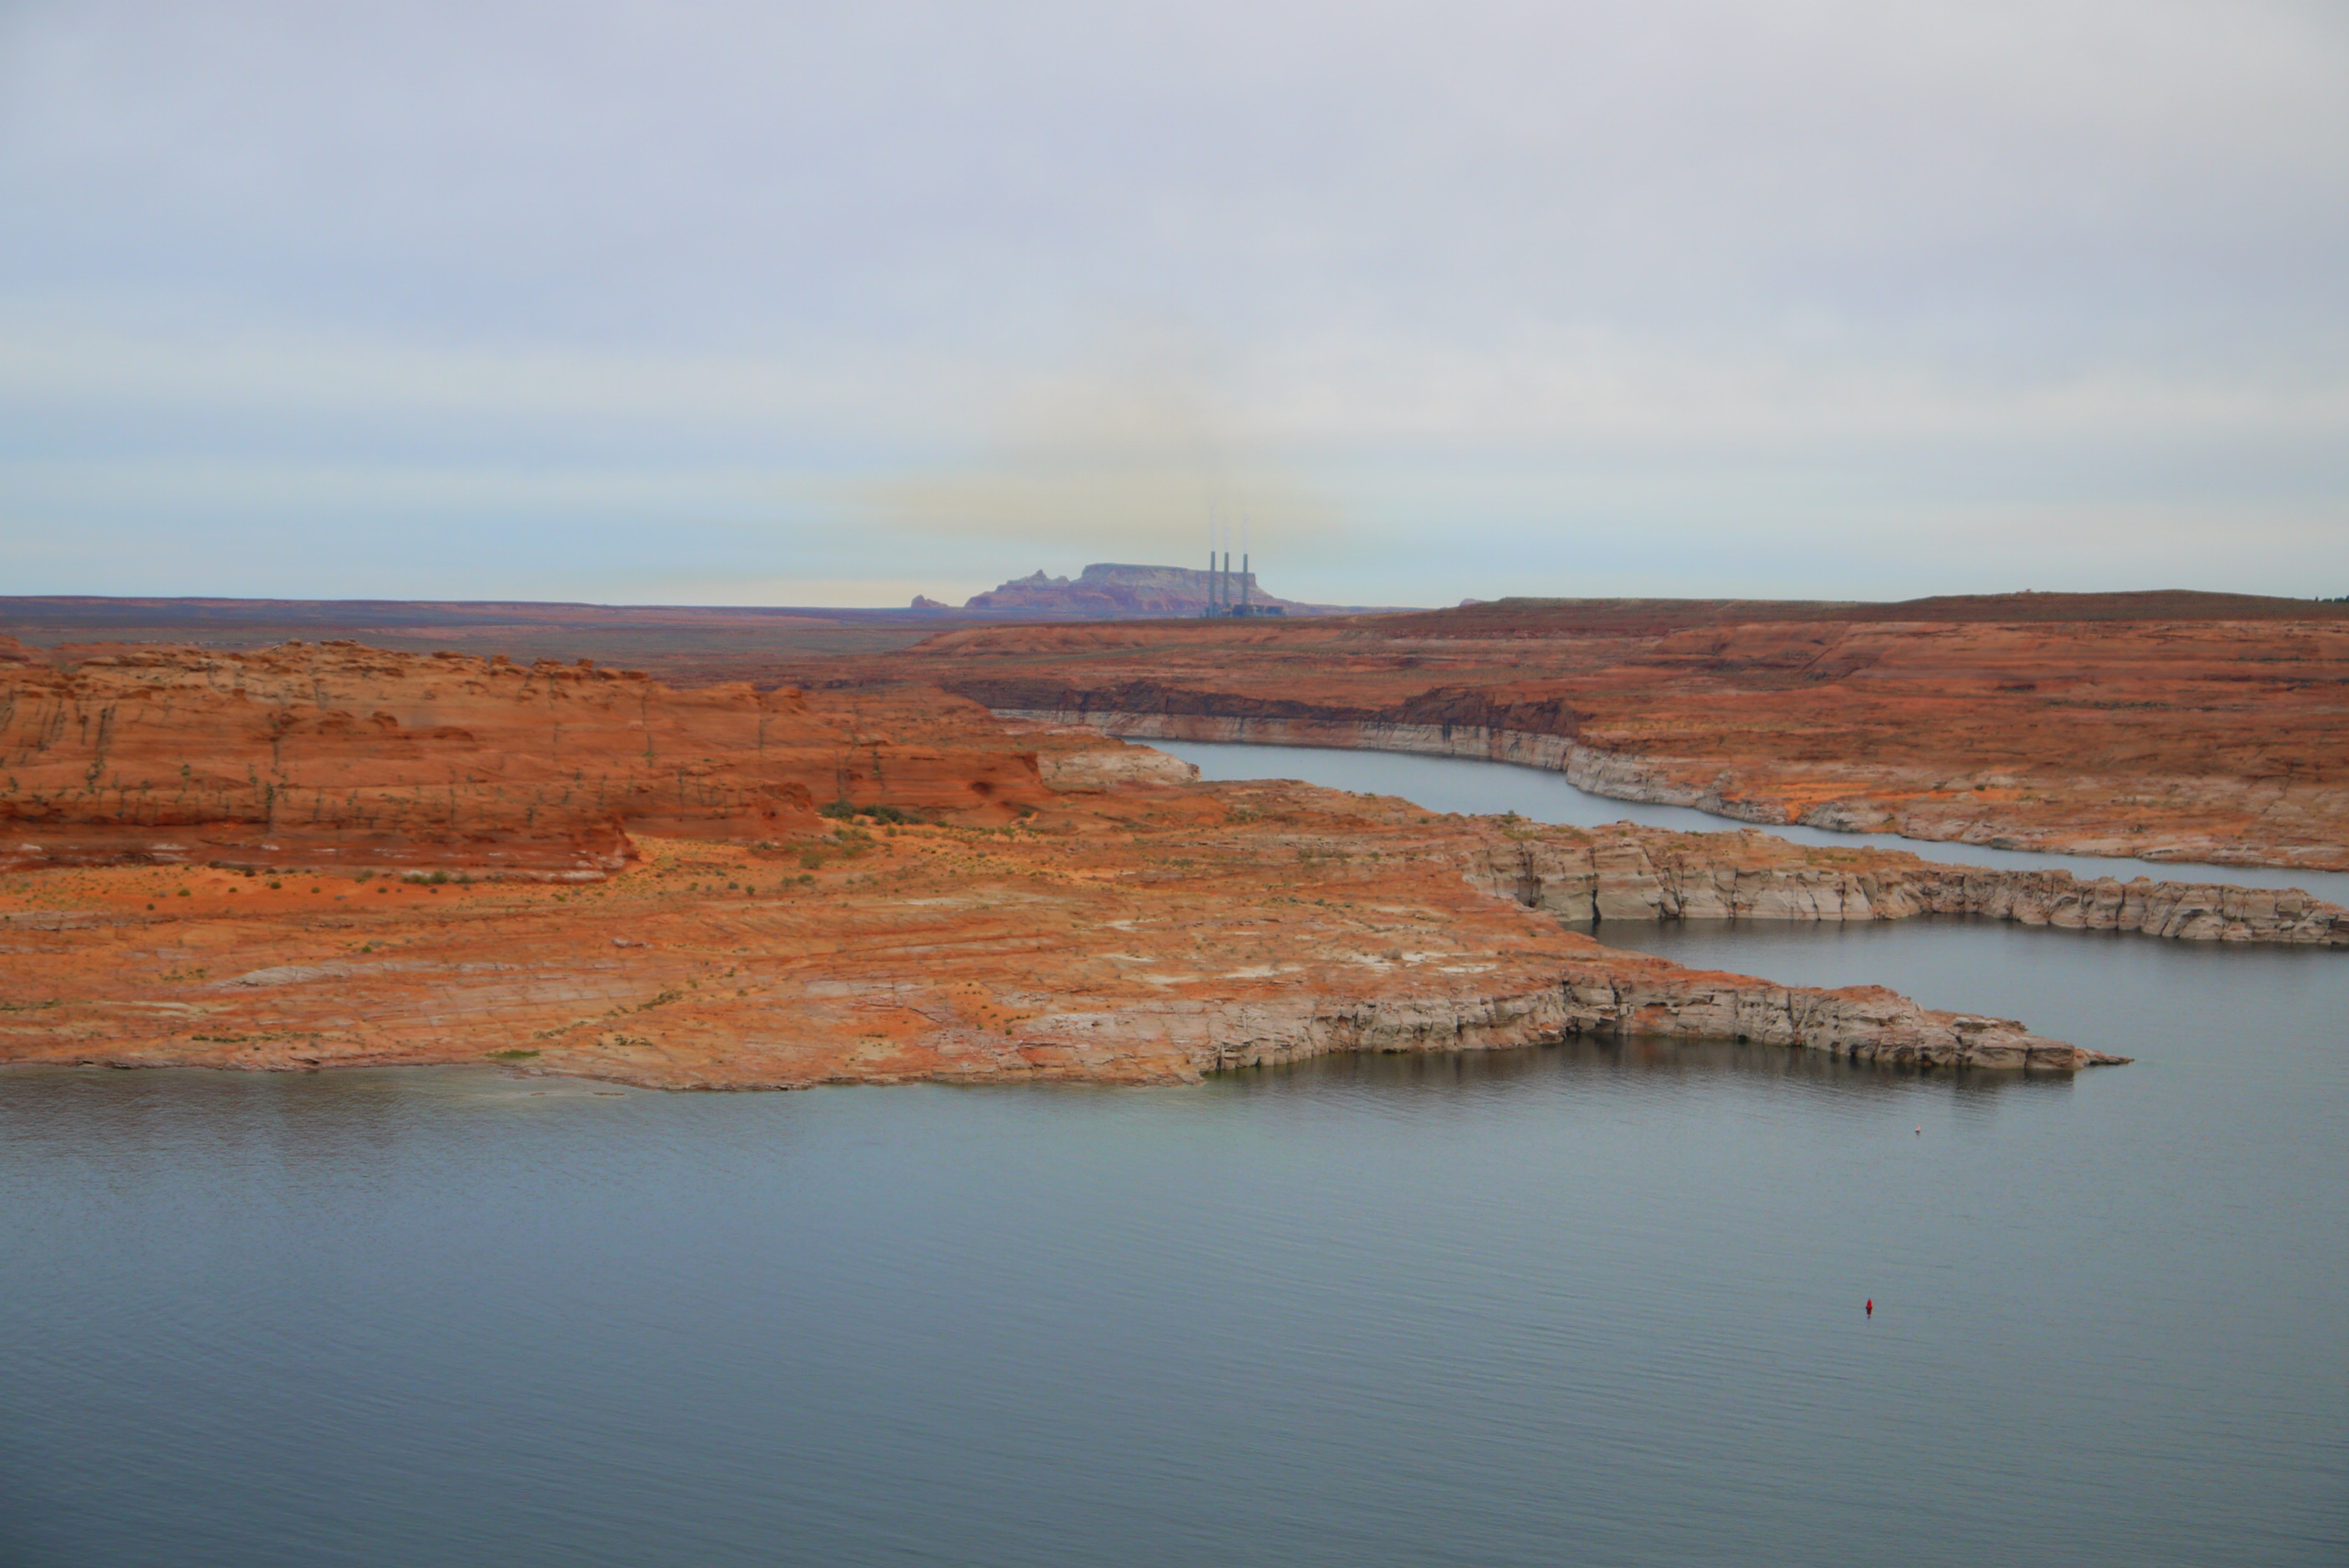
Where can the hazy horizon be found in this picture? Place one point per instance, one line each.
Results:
(836, 305)
(1268, 590)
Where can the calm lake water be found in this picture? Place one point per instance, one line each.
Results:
(1456, 784)
(1583, 1304)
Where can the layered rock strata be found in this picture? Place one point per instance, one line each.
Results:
(339, 755)
(2118, 732)
(1629, 872)
(1135, 933)
(1626, 871)
(1862, 1022)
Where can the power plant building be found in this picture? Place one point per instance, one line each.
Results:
(1220, 582)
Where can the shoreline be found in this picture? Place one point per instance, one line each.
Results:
(1608, 775)
(1215, 927)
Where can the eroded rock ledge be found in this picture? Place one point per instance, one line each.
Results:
(1616, 775)
(343, 756)
(1628, 872)
(1139, 933)
(1911, 802)
(2025, 724)
(1602, 995)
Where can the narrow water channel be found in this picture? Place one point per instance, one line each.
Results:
(1472, 787)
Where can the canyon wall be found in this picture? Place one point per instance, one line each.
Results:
(1628, 873)
(1615, 775)
(2118, 733)
(340, 754)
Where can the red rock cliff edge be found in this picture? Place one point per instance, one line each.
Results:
(338, 755)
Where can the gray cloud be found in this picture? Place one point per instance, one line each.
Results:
(1504, 274)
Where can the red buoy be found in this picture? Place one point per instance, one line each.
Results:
(1871, 1306)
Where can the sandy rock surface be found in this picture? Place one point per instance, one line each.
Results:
(339, 755)
(327, 855)
(1137, 933)
(2185, 738)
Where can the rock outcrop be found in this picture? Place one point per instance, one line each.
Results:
(2115, 732)
(1130, 930)
(1862, 1022)
(339, 755)
(1624, 872)
(1110, 591)
(1629, 872)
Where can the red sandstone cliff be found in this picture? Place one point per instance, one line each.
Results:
(1137, 932)
(1137, 926)
(341, 754)
(2117, 731)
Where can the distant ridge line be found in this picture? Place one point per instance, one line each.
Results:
(50, 613)
(1533, 615)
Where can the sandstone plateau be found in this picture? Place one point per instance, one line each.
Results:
(1108, 590)
(219, 860)
(1157, 934)
(2168, 727)
(339, 755)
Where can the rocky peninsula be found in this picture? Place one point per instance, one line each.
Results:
(321, 855)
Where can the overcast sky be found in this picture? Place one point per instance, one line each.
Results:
(768, 303)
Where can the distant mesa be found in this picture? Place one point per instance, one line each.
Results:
(1114, 591)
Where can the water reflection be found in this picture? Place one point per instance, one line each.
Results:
(1644, 1060)
(125, 1114)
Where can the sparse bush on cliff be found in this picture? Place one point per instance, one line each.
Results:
(848, 811)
